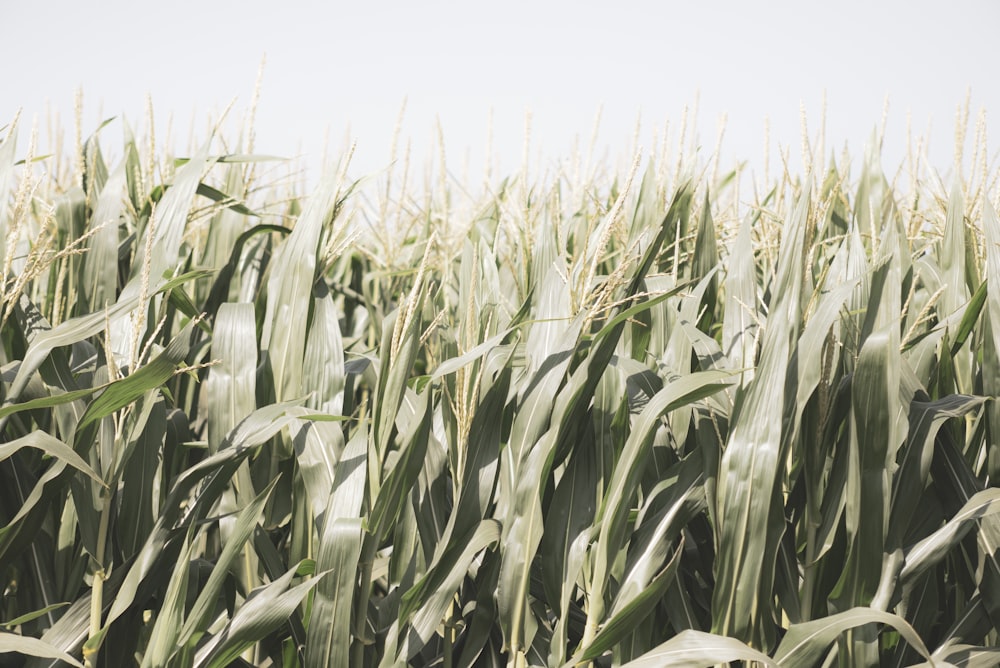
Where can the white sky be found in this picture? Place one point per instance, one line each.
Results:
(338, 65)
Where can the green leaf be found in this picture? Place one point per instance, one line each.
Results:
(34, 614)
(430, 597)
(395, 489)
(200, 614)
(804, 644)
(324, 374)
(991, 348)
(11, 642)
(969, 318)
(289, 293)
(926, 419)
(965, 656)
(933, 548)
(874, 404)
(339, 551)
(50, 401)
(169, 221)
(220, 288)
(123, 392)
(747, 492)
(232, 383)
(99, 274)
(612, 518)
(52, 447)
(453, 364)
(265, 610)
(163, 636)
(259, 427)
(328, 639)
(696, 649)
(566, 540)
(624, 618)
(231, 202)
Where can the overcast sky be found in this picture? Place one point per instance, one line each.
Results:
(339, 66)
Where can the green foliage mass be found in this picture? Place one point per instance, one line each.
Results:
(633, 417)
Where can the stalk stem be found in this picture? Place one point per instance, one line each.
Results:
(449, 634)
(595, 610)
(97, 591)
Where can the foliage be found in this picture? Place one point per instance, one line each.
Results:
(626, 419)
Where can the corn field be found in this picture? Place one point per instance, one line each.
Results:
(641, 415)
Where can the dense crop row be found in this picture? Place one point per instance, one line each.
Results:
(633, 419)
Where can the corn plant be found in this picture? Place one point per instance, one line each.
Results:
(628, 418)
